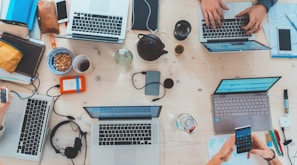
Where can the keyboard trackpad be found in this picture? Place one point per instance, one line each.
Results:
(100, 6)
(125, 157)
(240, 121)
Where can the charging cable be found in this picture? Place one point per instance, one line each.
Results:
(139, 88)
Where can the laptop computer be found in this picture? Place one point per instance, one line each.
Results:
(230, 37)
(242, 101)
(26, 127)
(95, 20)
(121, 149)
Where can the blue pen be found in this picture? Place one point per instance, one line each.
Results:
(286, 101)
(291, 17)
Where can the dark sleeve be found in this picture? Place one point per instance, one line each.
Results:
(267, 3)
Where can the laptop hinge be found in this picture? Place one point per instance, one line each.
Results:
(95, 38)
(228, 40)
(130, 118)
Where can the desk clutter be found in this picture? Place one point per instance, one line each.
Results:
(106, 22)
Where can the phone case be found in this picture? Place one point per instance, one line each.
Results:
(152, 83)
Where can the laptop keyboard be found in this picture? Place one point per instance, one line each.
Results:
(32, 127)
(234, 106)
(97, 24)
(231, 28)
(125, 134)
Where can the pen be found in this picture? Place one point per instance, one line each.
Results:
(278, 141)
(275, 142)
(286, 101)
(268, 140)
(292, 22)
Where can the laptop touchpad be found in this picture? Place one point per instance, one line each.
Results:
(242, 121)
(125, 157)
(100, 6)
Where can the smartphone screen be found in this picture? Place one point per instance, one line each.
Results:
(284, 39)
(243, 139)
(62, 11)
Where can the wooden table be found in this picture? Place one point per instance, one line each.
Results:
(196, 73)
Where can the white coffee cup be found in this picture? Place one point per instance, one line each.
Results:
(82, 64)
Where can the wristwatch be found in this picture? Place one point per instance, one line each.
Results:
(1, 127)
(269, 159)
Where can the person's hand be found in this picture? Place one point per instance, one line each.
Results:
(256, 14)
(260, 148)
(227, 149)
(224, 153)
(212, 11)
(4, 106)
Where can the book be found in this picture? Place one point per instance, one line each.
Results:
(22, 11)
(32, 50)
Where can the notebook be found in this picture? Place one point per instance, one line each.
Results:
(230, 37)
(25, 139)
(33, 51)
(242, 101)
(130, 149)
(145, 15)
(94, 20)
(22, 11)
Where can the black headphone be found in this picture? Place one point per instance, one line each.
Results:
(69, 152)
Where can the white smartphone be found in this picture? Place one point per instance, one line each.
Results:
(61, 9)
(284, 40)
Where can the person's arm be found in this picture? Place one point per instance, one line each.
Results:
(225, 152)
(261, 149)
(267, 3)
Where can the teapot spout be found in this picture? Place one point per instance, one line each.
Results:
(164, 52)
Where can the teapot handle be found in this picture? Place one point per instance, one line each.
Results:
(142, 35)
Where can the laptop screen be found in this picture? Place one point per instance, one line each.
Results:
(123, 112)
(234, 46)
(245, 85)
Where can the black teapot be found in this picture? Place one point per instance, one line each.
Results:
(150, 47)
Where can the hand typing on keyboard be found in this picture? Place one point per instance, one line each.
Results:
(212, 11)
(256, 14)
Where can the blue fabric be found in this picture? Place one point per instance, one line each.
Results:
(267, 3)
(22, 11)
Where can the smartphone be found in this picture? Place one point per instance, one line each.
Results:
(4, 95)
(284, 40)
(61, 9)
(152, 83)
(243, 139)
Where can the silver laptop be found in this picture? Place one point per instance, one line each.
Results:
(125, 135)
(26, 127)
(98, 20)
(242, 101)
(230, 37)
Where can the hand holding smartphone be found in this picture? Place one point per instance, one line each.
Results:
(4, 95)
(243, 139)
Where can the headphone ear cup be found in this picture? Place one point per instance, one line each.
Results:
(77, 144)
(70, 152)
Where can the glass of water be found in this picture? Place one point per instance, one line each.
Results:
(187, 123)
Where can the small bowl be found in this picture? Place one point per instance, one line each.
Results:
(66, 64)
